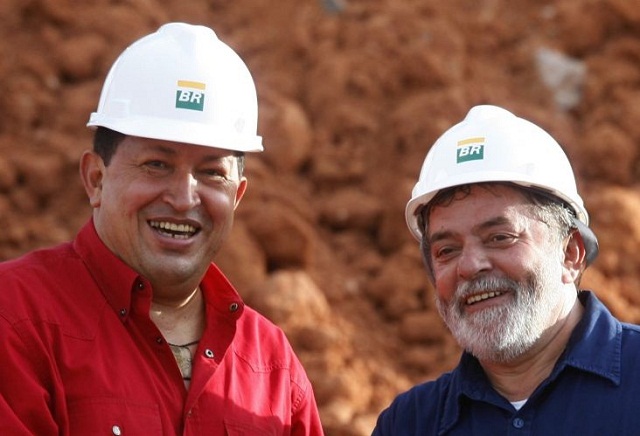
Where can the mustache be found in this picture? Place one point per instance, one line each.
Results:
(485, 284)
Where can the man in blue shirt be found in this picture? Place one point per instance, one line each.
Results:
(505, 239)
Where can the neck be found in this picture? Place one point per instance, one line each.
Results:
(181, 320)
(516, 380)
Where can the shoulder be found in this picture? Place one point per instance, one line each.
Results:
(48, 286)
(419, 410)
(29, 275)
(600, 317)
(265, 348)
(424, 395)
(255, 330)
(257, 340)
(42, 260)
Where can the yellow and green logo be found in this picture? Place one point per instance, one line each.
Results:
(190, 95)
(470, 149)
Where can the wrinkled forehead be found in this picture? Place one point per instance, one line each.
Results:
(472, 196)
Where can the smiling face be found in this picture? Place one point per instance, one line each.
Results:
(164, 208)
(499, 272)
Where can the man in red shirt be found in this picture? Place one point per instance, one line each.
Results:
(130, 329)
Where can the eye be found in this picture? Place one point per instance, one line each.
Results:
(444, 252)
(500, 239)
(216, 170)
(155, 164)
(214, 173)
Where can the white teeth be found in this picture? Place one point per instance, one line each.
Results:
(180, 231)
(484, 296)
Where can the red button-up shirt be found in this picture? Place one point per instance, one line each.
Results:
(81, 356)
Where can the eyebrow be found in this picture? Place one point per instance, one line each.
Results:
(492, 222)
(163, 149)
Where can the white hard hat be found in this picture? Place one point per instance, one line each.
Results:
(493, 145)
(181, 84)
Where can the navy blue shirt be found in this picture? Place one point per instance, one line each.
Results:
(594, 389)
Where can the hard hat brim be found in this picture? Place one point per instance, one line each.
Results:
(178, 131)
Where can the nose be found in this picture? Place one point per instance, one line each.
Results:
(183, 192)
(473, 261)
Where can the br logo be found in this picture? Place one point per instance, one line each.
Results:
(190, 95)
(470, 149)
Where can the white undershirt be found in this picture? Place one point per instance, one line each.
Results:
(518, 404)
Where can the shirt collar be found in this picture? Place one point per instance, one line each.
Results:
(595, 346)
(596, 343)
(117, 280)
(220, 295)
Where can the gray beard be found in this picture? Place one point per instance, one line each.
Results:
(504, 333)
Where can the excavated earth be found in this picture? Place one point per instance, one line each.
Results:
(352, 94)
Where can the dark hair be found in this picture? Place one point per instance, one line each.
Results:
(545, 207)
(106, 141)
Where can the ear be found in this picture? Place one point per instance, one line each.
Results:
(92, 170)
(574, 258)
(242, 187)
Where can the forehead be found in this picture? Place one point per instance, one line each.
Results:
(134, 144)
(479, 204)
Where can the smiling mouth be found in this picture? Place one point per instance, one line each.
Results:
(482, 297)
(173, 230)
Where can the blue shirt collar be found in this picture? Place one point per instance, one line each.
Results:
(596, 343)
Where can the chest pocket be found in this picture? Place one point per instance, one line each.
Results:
(113, 416)
(237, 428)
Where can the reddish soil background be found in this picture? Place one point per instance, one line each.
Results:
(352, 94)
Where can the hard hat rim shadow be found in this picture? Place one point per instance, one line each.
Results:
(181, 84)
(589, 239)
(517, 151)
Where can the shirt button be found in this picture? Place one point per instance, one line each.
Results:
(116, 430)
(518, 423)
(159, 340)
(140, 285)
(233, 307)
(123, 312)
(208, 353)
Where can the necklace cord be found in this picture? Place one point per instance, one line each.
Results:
(183, 345)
